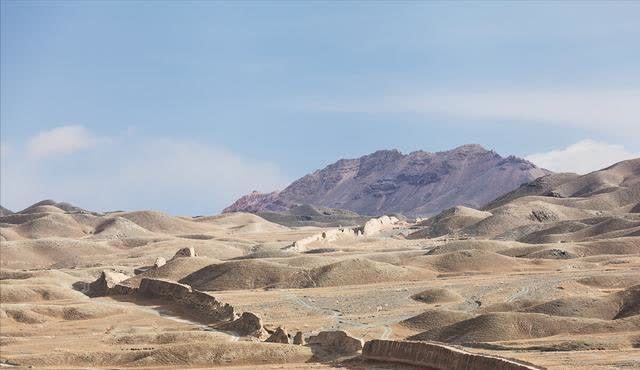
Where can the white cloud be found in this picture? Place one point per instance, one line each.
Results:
(168, 174)
(594, 109)
(582, 157)
(188, 170)
(60, 140)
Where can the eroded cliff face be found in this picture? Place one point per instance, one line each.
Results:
(387, 181)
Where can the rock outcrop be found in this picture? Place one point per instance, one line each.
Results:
(298, 338)
(337, 342)
(387, 181)
(185, 252)
(105, 283)
(437, 356)
(248, 324)
(280, 335)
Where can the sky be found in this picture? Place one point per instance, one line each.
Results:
(185, 106)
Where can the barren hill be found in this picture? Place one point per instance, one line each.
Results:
(5, 211)
(387, 181)
(555, 208)
(547, 274)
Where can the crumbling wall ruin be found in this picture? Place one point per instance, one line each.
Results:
(372, 227)
(437, 356)
(376, 225)
(183, 295)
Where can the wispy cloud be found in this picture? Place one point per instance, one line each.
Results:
(131, 171)
(60, 140)
(594, 109)
(582, 157)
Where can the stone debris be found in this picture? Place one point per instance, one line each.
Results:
(298, 339)
(280, 335)
(248, 324)
(104, 283)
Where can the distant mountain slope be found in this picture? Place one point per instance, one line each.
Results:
(540, 186)
(614, 186)
(5, 211)
(603, 204)
(308, 215)
(387, 181)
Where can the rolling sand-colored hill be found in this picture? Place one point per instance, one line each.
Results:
(255, 273)
(5, 211)
(547, 274)
(449, 221)
(502, 326)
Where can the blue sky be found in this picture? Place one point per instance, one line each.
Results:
(183, 106)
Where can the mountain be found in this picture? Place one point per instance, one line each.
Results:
(415, 184)
(4, 211)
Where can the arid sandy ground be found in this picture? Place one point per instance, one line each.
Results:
(570, 299)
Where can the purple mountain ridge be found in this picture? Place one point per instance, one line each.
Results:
(415, 184)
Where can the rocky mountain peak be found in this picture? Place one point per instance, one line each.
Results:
(387, 181)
